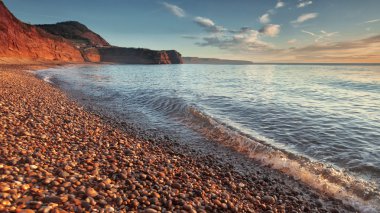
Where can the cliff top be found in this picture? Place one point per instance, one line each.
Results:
(76, 32)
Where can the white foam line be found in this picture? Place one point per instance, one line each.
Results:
(325, 179)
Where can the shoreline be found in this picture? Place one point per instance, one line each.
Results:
(56, 155)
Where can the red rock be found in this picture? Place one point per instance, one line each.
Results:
(26, 42)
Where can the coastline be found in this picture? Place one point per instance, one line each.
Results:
(57, 155)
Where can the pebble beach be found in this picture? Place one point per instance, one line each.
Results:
(56, 156)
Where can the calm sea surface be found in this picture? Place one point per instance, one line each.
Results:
(321, 119)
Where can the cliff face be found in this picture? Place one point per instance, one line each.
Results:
(78, 33)
(26, 42)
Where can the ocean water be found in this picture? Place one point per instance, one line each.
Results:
(318, 123)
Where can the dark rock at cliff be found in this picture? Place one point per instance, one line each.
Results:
(76, 32)
(20, 41)
(133, 56)
(196, 60)
(175, 57)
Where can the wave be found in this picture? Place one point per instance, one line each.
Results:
(356, 191)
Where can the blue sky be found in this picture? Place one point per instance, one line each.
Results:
(256, 30)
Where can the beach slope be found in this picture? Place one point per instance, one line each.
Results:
(56, 156)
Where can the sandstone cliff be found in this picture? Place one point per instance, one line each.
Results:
(20, 41)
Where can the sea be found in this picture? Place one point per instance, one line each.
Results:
(319, 123)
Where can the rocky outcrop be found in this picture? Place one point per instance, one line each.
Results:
(91, 55)
(133, 56)
(175, 57)
(78, 33)
(21, 41)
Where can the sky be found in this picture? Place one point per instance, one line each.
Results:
(298, 31)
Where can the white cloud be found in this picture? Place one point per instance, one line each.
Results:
(280, 4)
(208, 24)
(304, 4)
(204, 22)
(174, 9)
(372, 21)
(264, 19)
(245, 39)
(292, 41)
(271, 30)
(307, 32)
(323, 36)
(305, 17)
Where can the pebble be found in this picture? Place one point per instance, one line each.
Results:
(150, 210)
(268, 199)
(91, 192)
(52, 199)
(4, 187)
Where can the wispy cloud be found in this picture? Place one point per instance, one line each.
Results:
(174, 9)
(208, 24)
(323, 36)
(292, 41)
(372, 21)
(305, 17)
(307, 32)
(304, 4)
(270, 30)
(280, 4)
(193, 37)
(264, 19)
(356, 51)
(363, 50)
(245, 39)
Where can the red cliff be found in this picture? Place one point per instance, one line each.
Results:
(96, 49)
(20, 41)
(69, 42)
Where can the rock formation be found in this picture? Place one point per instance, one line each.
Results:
(20, 41)
(133, 56)
(78, 33)
(96, 49)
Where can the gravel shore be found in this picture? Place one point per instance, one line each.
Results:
(57, 157)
